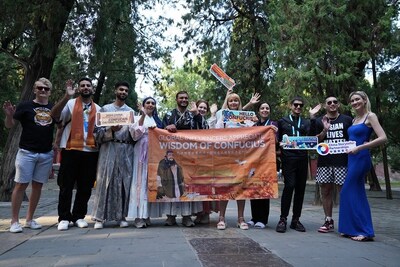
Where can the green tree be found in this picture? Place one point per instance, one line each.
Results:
(323, 47)
(31, 39)
(187, 79)
(233, 34)
(10, 84)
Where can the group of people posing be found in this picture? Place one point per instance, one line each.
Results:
(116, 158)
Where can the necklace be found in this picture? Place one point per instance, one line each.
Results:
(333, 119)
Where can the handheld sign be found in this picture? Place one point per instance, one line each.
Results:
(335, 148)
(227, 81)
(239, 117)
(114, 118)
(311, 143)
(299, 142)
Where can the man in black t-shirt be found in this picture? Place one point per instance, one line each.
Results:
(35, 155)
(331, 168)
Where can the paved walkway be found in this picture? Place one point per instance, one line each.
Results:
(202, 245)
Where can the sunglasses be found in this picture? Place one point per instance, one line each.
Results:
(85, 85)
(40, 88)
(330, 102)
(297, 105)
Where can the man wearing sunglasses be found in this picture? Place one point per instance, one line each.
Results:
(332, 168)
(35, 154)
(79, 152)
(294, 166)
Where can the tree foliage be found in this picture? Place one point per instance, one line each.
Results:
(175, 79)
(103, 40)
(323, 47)
(233, 34)
(31, 39)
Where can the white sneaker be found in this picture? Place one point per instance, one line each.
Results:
(63, 225)
(250, 223)
(259, 225)
(98, 225)
(123, 224)
(33, 225)
(81, 223)
(15, 228)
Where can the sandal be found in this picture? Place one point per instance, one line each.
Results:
(361, 238)
(242, 224)
(221, 224)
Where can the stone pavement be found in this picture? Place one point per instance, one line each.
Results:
(202, 245)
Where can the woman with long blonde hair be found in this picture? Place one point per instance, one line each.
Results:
(354, 214)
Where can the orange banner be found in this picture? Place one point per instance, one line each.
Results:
(214, 164)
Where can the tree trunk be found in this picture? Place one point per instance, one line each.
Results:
(317, 195)
(373, 181)
(100, 83)
(379, 110)
(384, 154)
(7, 166)
(386, 172)
(39, 64)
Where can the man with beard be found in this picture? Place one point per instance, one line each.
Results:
(181, 118)
(169, 178)
(294, 166)
(115, 168)
(79, 153)
(332, 168)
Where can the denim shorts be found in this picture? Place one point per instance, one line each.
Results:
(32, 166)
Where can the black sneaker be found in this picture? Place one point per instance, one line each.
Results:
(281, 227)
(296, 225)
(171, 220)
(327, 227)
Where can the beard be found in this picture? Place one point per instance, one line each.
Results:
(122, 97)
(184, 106)
(86, 95)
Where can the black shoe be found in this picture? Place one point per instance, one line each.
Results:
(171, 221)
(281, 227)
(296, 225)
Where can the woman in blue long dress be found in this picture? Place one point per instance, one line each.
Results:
(354, 214)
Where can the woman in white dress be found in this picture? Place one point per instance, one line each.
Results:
(139, 207)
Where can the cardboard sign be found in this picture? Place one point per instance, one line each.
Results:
(239, 117)
(114, 118)
(227, 81)
(299, 142)
(335, 148)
